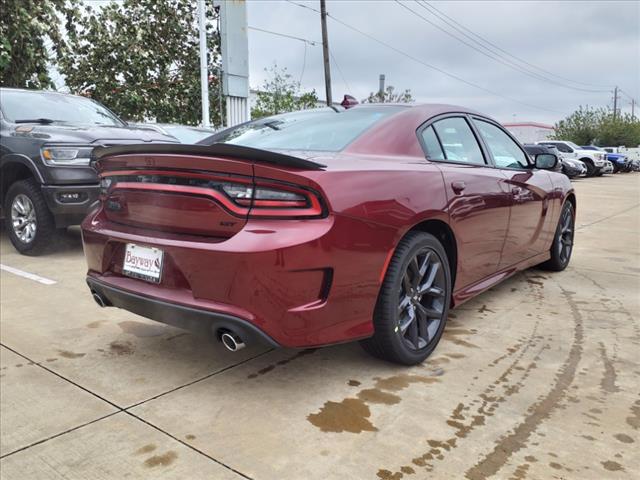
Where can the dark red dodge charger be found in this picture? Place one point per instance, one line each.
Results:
(325, 226)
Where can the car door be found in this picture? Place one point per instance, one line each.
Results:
(529, 228)
(477, 195)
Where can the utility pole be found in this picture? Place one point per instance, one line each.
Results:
(615, 103)
(204, 71)
(325, 52)
(633, 109)
(381, 87)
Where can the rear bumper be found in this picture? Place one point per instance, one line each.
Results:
(199, 321)
(302, 283)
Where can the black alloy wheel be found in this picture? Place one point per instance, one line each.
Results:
(562, 245)
(421, 300)
(413, 303)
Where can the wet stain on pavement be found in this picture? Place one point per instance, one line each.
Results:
(452, 334)
(624, 438)
(521, 472)
(455, 355)
(146, 449)
(68, 354)
(142, 330)
(612, 466)
(121, 348)
(634, 419)
(387, 475)
(375, 395)
(608, 382)
(190, 437)
(95, 324)
(489, 400)
(280, 363)
(540, 410)
(484, 309)
(163, 460)
(401, 381)
(350, 415)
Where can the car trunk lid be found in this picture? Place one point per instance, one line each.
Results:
(183, 189)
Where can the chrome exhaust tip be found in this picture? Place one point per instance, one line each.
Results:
(102, 302)
(232, 342)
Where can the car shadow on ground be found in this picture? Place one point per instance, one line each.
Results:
(65, 241)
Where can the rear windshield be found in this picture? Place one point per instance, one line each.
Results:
(20, 106)
(322, 129)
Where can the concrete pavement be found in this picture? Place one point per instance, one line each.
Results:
(538, 378)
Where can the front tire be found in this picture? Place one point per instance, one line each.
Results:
(413, 303)
(29, 222)
(591, 168)
(562, 245)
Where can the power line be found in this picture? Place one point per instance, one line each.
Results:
(492, 55)
(629, 96)
(452, 23)
(432, 67)
(308, 42)
(340, 72)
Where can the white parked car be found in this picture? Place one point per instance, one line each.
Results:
(594, 160)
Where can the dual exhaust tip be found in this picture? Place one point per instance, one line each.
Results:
(230, 340)
(100, 300)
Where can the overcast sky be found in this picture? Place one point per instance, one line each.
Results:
(594, 43)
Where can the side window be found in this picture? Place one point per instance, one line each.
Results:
(506, 153)
(563, 148)
(432, 145)
(458, 141)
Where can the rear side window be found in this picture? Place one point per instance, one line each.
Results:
(458, 141)
(432, 145)
(505, 152)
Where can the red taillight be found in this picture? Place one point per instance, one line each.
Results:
(240, 196)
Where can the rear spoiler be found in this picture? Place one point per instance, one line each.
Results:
(226, 150)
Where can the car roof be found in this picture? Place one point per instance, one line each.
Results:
(49, 92)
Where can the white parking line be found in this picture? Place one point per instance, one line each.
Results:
(30, 276)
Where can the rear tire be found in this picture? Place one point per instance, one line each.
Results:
(413, 302)
(29, 223)
(562, 245)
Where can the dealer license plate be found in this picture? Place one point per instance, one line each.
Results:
(144, 263)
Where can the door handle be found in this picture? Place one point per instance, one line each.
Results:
(458, 186)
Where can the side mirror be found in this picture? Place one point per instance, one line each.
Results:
(546, 161)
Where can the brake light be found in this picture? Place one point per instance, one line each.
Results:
(240, 196)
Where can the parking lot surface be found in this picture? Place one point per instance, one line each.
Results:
(537, 378)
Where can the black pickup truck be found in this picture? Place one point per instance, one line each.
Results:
(46, 140)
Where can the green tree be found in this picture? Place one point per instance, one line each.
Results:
(622, 130)
(389, 96)
(280, 94)
(581, 127)
(27, 29)
(598, 126)
(141, 59)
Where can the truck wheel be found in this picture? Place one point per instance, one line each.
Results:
(591, 169)
(29, 222)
